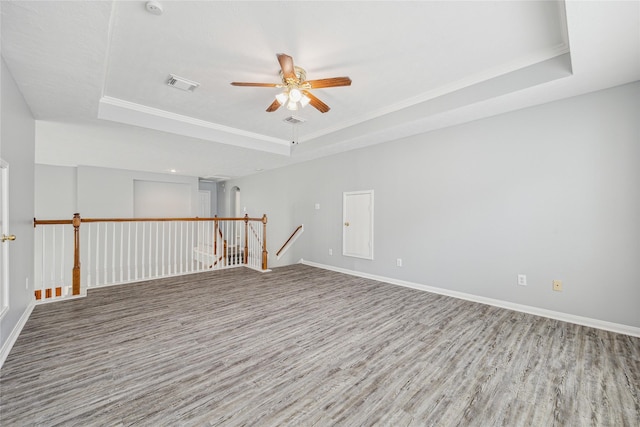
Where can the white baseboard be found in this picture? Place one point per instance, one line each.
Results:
(11, 340)
(557, 315)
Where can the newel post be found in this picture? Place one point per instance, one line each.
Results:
(246, 238)
(264, 242)
(76, 254)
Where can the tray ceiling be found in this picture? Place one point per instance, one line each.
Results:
(101, 68)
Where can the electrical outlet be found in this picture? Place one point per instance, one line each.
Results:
(330, 251)
(522, 280)
(399, 262)
(557, 285)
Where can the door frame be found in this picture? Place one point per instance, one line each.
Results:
(4, 230)
(206, 194)
(345, 195)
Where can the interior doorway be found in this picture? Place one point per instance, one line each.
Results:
(204, 204)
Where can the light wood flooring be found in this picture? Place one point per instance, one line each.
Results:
(302, 346)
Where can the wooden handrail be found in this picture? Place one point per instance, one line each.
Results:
(289, 239)
(51, 222)
(68, 221)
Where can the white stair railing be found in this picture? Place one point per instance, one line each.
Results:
(115, 251)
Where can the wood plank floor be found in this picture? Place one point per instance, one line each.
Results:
(303, 346)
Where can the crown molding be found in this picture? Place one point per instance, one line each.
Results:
(121, 111)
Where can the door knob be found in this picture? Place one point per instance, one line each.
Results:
(9, 237)
(346, 224)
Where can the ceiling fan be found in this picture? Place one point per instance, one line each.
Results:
(296, 87)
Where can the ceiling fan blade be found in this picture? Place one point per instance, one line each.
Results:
(256, 84)
(286, 64)
(331, 82)
(316, 103)
(273, 107)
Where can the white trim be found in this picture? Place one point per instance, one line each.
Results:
(557, 315)
(121, 111)
(15, 333)
(4, 229)
(533, 59)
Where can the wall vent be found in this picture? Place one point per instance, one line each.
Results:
(294, 120)
(182, 83)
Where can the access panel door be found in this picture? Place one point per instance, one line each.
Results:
(357, 224)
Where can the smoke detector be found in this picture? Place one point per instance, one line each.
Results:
(294, 120)
(153, 7)
(182, 83)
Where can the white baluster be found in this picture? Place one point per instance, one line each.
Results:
(44, 250)
(121, 252)
(53, 258)
(175, 248)
(135, 255)
(129, 252)
(89, 229)
(150, 273)
(163, 260)
(157, 239)
(181, 245)
(106, 255)
(113, 253)
(97, 253)
(62, 257)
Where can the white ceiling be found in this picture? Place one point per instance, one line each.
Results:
(94, 73)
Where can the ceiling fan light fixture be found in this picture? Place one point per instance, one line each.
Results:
(282, 98)
(295, 95)
(296, 87)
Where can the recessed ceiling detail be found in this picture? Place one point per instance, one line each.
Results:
(436, 64)
(121, 111)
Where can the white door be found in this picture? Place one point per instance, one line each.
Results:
(6, 237)
(204, 208)
(357, 224)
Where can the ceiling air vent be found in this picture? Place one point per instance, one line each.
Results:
(182, 83)
(215, 178)
(294, 120)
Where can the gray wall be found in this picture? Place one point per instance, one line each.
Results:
(17, 145)
(95, 192)
(56, 192)
(549, 191)
(108, 193)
